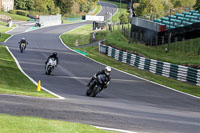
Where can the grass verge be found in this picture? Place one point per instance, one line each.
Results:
(12, 81)
(176, 57)
(15, 16)
(4, 29)
(81, 34)
(22, 124)
(4, 36)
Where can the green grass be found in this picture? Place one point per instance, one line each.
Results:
(4, 29)
(81, 34)
(12, 81)
(178, 85)
(3, 24)
(4, 36)
(15, 16)
(159, 53)
(115, 18)
(23, 124)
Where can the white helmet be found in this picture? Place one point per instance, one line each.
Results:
(107, 70)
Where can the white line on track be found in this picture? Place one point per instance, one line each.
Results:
(114, 129)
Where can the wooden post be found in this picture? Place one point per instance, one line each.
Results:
(169, 41)
(191, 45)
(175, 48)
(156, 41)
(141, 41)
(199, 49)
(183, 45)
(163, 41)
(136, 37)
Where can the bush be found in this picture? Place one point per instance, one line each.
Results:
(12, 11)
(21, 12)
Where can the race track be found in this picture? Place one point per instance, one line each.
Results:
(128, 103)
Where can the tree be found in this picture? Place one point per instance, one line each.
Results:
(64, 5)
(25, 4)
(197, 5)
(183, 3)
(123, 18)
(149, 7)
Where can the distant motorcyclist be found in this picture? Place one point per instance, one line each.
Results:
(105, 72)
(54, 55)
(23, 40)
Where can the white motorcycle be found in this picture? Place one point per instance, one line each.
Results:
(51, 64)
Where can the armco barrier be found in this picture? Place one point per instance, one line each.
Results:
(178, 72)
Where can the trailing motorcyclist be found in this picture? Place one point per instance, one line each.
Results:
(101, 78)
(51, 62)
(22, 44)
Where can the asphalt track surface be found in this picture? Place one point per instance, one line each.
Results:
(128, 103)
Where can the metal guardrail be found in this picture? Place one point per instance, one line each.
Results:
(178, 72)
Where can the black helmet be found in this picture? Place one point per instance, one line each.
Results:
(54, 54)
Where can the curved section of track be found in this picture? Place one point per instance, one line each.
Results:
(128, 103)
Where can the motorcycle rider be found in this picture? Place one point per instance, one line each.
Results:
(23, 40)
(54, 55)
(105, 72)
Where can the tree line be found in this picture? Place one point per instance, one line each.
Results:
(155, 6)
(53, 6)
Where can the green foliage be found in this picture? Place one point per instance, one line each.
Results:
(85, 6)
(12, 11)
(123, 18)
(65, 6)
(183, 3)
(21, 12)
(24, 4)
(197, 5)
(149, 6)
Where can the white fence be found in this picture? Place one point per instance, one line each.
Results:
(50, 20)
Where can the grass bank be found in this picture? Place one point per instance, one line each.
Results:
(22, 124)
(81, 34)
(15, 16)
(12, 81)
(94, 54)
(173, 56)
(4, 36)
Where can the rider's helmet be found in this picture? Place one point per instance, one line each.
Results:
(23, 38)
(54, 54)
(107, 70)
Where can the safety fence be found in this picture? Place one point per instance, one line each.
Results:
(178, 72)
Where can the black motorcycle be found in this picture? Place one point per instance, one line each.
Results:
(97, 85)
(22, 47)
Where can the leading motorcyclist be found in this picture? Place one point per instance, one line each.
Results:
(105, 72)
(54, 55)
(23, 40)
